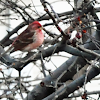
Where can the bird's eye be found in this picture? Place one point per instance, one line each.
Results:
(38, 26)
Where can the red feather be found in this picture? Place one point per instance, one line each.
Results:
(30, 38)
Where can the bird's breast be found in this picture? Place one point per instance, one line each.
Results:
(39, 38)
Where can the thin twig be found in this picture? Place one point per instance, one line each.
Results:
(20, 85)
(43, 66)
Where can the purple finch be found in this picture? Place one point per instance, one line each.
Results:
(29, 39)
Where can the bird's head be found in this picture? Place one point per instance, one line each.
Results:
(36, 25)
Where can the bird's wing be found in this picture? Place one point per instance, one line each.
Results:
(25, 38)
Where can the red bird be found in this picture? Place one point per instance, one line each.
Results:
(29, 39)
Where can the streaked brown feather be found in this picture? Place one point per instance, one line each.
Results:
(24, 39)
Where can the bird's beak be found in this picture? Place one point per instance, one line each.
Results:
(41, 28)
